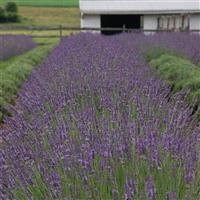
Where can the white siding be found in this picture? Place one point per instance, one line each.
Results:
(90, 21)
(195, 22)
(130, 6)
(150, 22)
(178, 22)
(151, 9)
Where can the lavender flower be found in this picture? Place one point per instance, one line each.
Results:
(94, 122)
(12, 45)
(150, 188)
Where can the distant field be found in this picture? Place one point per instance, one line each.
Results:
(45, 3)
(38, 33)
(45, 16)
(48, 16)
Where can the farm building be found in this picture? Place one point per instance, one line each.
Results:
(149, 15)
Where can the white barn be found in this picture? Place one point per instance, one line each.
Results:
(149, 15)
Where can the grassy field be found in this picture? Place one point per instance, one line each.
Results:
(38, 33)
(46, 16)
(50, 16)
(40, 16)
(45, 3)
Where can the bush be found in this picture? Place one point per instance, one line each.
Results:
(10, 13)
(12, 17)
(154, 52)
(181, 74)
(11, 7)
(2, 15)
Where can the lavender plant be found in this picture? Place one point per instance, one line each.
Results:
(12, 45)
(93, 122)
(184, 44)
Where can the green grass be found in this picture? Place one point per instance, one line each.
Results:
(15, 71)
(180, 73)
(47, 16)
(45, 3)
(38, 34)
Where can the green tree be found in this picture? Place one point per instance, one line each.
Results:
(11, 7)
(2, 15)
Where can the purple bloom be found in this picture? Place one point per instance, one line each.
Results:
(150, 188)
(95, 120)
(174, 196)
(12, 45)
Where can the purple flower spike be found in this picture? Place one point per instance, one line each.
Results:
(150, 188)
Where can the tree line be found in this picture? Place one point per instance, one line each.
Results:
(9, 13)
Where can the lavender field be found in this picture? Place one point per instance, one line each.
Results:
(14, 45)
(95, 122)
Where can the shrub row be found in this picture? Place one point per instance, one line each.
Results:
(184, 45)
(170, 54)
(16, 73)
(181, 74)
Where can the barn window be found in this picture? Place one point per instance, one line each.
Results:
(174, 22)
(185, 22)
(165, 23)
(171, 23)
(120, 21)
(160, 23)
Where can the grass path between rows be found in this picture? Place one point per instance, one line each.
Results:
(16, 70)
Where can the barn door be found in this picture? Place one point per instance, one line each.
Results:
(120, 21)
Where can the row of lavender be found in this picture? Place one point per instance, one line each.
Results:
(94, 123)
(12, 45)
(187, 44)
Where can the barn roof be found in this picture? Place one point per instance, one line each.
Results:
(140, 6)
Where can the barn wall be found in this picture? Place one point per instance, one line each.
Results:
(115, 6)
(90, 21)
(195, 22)
(150, 22)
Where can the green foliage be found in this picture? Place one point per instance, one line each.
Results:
(180, 73)
(10, 13)
(11, 7)
(152, 53)
(15, 71)
(2, 15)
(12, 17)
